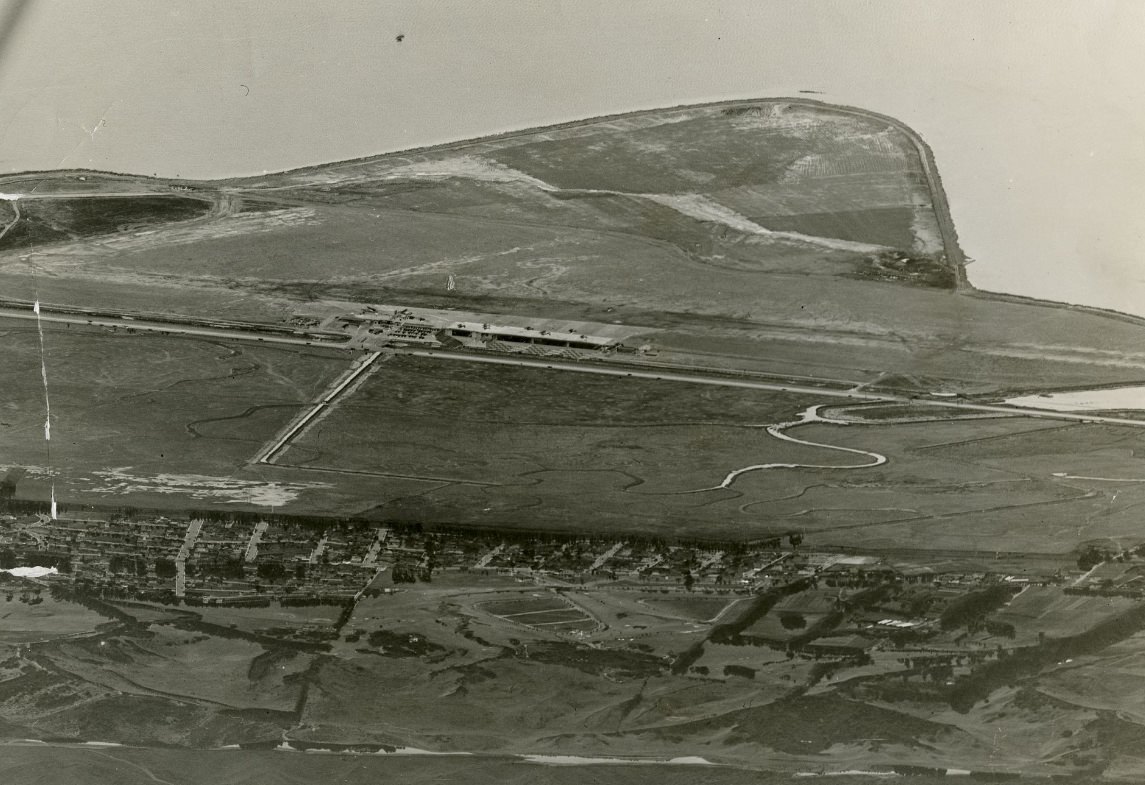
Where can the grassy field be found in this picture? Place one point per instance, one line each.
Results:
(257, 620)
(174, 662)
(1044, 610)
(145, 419)
(154, 420)
(49, 618)
(641, 454)
(524, 605)
(695, 607)
(536, 449)
(46, 221)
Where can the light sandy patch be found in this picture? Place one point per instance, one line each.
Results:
(197, 486)
(702, 208)
(580, 760)
(469, 167)
(440, 267)
(32, 472)
(924, 227)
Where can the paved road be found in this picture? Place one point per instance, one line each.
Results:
(268, 454)
(141, 325)
(722, 381)
(588, 366)
(22, 196)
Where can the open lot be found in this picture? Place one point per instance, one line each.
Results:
(42, 765)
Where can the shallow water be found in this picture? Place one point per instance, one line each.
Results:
(1112, 399)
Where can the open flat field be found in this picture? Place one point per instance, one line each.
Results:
(174, 662)
(652, 454)
(141, 419)
(47, 619)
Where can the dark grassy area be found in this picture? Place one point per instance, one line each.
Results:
(476, 392)
(403, 644)
(528, 605)
(53, 765)
(612, 663)
(1023, 663)
(54, 220)
(32, 231)
(880, 225)
(659, 158)
(809, 724)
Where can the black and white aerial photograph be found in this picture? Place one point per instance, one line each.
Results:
(572, 392)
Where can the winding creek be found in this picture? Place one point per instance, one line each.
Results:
(778, 430)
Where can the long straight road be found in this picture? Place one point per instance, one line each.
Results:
(269, 453)
(602, 368)
(751, 384)
(168, 328)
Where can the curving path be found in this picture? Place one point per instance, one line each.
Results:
(808, 415)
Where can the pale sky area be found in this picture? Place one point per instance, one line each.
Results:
(1035, 110)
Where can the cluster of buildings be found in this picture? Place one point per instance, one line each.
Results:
(246, 560)
(373, 327)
